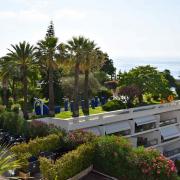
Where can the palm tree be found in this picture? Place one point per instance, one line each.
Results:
(76, 48)
(47, 59)
(93, 60)
(22, 57)
(4, 75)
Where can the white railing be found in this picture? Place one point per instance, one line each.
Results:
(111, 117)
(129, 112)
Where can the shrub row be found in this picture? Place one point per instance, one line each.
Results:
(113, 105)
(113, 156)
(68, 165)
(16, 125)
(34, 147)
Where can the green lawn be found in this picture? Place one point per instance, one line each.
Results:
(68, 114)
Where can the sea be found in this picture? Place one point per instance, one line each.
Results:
(126, 63)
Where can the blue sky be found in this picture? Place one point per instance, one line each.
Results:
(122, 28)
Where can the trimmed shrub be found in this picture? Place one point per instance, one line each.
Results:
(68, 165)
(113, 105)
(111, 156)
(34, 147)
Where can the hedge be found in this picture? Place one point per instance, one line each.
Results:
(113, 105)
(69, 164)
(48, 143)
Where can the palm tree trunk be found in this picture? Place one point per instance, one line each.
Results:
(5, 92)
(86, 95)
(14, 90)
(51, 92)
(25, 93)
(76, 91)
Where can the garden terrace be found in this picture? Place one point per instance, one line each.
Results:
(149, 126)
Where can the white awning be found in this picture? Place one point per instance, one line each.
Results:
(170, 132)
(117, 127)
(94, 130)
(145, 120)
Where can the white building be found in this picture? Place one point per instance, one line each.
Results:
(155, 126)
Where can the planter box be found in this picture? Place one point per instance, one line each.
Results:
(24, 175)
(82, 173)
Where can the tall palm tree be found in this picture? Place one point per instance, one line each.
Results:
(22, 57)
(76, 48)
(4, 75)
(93, 59)
(47, 59)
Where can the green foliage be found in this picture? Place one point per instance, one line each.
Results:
(8, 160)
(68, 165)
(75, 138)
(15, 108)
(58, 93)
(150, 163)
(108, 66)
(104, 93)
(48, 143)
(68, 86)
(10, 121)
(178, 90)
(113, 105)
(111, 156)
(101, 76)
(148, 79)
(2, 108)
(37, 129)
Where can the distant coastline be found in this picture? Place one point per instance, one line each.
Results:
(173, 64)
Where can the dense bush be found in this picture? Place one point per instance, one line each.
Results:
(68, 86)
(104, 93)
(68, 165)
(34, 147)
(37, 129)
(150, 163)
(111, 156)
(113, 105)
(75, 138)
(15, 108)
(2, 108)
(10, 121)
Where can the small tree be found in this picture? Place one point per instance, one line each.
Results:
(129, 93)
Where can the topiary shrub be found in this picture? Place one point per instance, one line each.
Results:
(113, 105)
(111, 156)
(68, 165)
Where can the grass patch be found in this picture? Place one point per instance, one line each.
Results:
(68, 114)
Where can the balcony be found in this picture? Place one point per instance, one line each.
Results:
(168, 122)
(144, 127)
(145, 142)
(171, 152)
